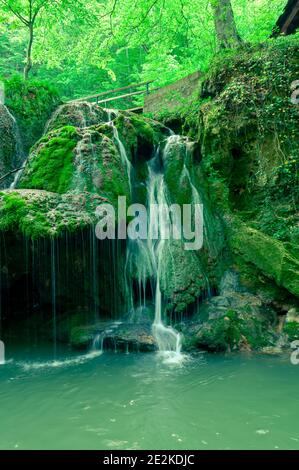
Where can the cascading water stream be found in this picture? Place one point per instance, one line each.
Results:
(121, 148)
(168, 340)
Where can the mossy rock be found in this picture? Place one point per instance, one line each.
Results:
(71, 159)
(78, 114)
(234, 330)
(268, 255)
(11, 152)
(291, 329)
(31, 102)
(36, 213)
(140, 135)
(183, 276)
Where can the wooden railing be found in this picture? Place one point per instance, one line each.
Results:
(105, 97)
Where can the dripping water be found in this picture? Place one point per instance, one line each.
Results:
(53, 284)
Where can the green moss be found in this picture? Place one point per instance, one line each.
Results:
(268, 255)
(52, 167)
(12, 211)
(292, 330)
(233, 330)
(40, 214)
(139, 134)
(182, 276)
(182, 118)
(32, 103)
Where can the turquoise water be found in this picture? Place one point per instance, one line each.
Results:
(135, 401)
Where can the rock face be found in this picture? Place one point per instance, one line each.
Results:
(132, 333)
(11, 152)
(233, 320)
(117, 336)
(268, 255)
(77, 114)
(247, 175)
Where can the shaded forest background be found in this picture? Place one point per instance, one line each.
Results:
(84, 47)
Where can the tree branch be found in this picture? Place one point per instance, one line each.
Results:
(146, 14)
(16, 13)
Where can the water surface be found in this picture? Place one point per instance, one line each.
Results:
(135, 401)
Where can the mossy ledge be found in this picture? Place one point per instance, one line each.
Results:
(38, 213)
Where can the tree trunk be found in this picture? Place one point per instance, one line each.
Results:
(28, 65)
(225, 26)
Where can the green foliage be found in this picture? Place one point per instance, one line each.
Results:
(32, 103)
(88, 47)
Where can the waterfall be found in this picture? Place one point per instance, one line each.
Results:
(145, 257)
(168, 340)
(121, 148)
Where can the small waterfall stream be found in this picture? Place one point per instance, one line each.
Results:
(145, 257)
(19, 157)
(121, 148)
(168, 340)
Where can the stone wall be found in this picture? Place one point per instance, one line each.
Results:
(172, 95)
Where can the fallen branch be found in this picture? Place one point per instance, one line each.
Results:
(11, 172)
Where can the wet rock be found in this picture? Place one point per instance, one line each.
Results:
(78, 114)
(234, 320)
(119, 336)
(11, 152)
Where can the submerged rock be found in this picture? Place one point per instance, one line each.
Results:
(118, 336)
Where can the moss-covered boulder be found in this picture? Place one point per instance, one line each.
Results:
(235, 319)
(141, 136)
(235, 330)
(78, 114)
(37, 213)
(78, 164)
(11, 151)
(183, 277)
(31, 102)
(270, 256)
(77, 160)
